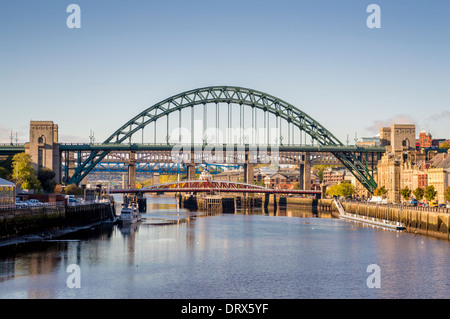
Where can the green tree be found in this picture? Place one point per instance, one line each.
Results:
(167, 178)
(261, 183)
(406, 193)
(23, 173)
(343, 189)
(447, 194)
(380, 191)
(46, 178)
(418, 193)
(73, 189)
(430, 193)
(333, 190)
(6, 168)
(4, 173)
(445, 145)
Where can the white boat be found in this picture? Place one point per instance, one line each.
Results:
(129, 214)
(368, 220)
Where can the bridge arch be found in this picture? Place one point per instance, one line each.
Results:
(230, 95)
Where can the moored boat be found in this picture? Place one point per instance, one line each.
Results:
(129, 214)
(368, 220)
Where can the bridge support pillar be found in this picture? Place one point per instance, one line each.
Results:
(249, 169)
(190, 168)
(132, 170)
(306, 176)
(266, 200)
(190, 171)
(70, 162)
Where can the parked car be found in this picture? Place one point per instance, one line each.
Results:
(20, 204)
(441, 205)
(30, 203)
(433, 204)
(414, 202)
(35, 202)
(448, 205)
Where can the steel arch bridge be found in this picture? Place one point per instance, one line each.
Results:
(230, 95)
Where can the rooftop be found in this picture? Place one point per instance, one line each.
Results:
(4, 182)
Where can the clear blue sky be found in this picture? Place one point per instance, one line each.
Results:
(317, 55)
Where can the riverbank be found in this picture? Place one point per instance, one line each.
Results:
(51, 220)
(429, 223)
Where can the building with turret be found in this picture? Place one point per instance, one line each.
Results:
(404, 166)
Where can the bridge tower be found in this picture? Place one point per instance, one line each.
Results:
(305, 171)
(190, 168)
(132, 170)
(249, 170)
(43, 147)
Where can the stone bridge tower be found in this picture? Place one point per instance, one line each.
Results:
(43, 147)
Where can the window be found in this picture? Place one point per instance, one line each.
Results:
(40, 157)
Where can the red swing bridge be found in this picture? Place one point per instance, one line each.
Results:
(207, 186)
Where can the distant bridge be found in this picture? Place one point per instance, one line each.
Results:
(207, 186)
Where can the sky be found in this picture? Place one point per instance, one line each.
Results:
(319, 56)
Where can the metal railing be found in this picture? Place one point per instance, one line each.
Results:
(6, 207)
(436, 209)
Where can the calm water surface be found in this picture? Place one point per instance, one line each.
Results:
(177, 254)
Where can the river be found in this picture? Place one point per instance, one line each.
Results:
(174, 253)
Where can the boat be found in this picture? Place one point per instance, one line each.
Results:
(129, 214)
(383, 223)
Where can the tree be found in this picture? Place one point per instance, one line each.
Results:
(406, 193)
(46, 178)
(58, 189)
(167, 178)
(23, 173)
(4, 173)
(343, 189)
(418, 193)
(380, 191)
(447, 194)
(6, 168)
(430, 193)
(445, 145)
(73, 189)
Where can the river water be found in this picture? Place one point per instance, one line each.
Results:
(174, 253)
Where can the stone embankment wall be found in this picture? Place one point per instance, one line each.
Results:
(416, 220)
(16, 222)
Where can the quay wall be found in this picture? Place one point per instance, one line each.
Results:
(17, 222)
(415, 219)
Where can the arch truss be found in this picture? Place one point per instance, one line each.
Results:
(230, 95)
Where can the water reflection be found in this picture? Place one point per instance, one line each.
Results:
(176, 253)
